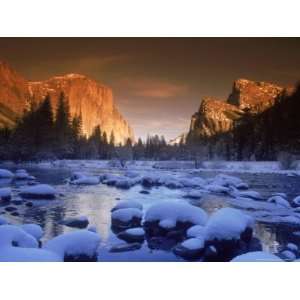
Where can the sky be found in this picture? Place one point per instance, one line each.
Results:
(158, 83)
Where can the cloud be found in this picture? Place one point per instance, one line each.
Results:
(154, 88)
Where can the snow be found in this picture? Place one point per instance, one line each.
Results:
(128, 204)
(227, 223)
(22, 174)
(218, 189)
(169, 213)
(195, 231)
(3, 221)
(279, 201)
(193, 244)
(126, 214)
(226, 180)
(6, 173)
(288, 255)
(11, 234)
(296, 201)
(38, 191)
(81, 242)
(246, 194)
(33, 229)
(16, 254)
(5, 193)
(257, 256)
(137, 231)
(292, 247)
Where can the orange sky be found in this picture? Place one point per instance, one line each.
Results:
(158, 82)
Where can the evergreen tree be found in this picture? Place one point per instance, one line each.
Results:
(63, 131)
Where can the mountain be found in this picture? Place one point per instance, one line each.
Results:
(217, 116)
(86, 96)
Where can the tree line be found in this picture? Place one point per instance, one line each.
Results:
(44, 134)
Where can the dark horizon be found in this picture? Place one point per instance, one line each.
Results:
(158, 83)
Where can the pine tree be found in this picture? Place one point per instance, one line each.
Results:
(63, 131)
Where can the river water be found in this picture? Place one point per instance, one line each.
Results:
(95, 202)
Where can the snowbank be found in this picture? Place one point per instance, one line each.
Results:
(257, 256)
(77, 245)
(39, 191)
(16, 254)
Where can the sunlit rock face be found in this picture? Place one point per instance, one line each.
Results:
(14, 94)
(87, 97)
(214, 116)
(217, 116)
(256, 96)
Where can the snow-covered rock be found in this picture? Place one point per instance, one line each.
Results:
(125, 183)
(33, 229)
(216, 188)
(230, 231)
(6, 173)
(77, 222)
(132, 235)
(165, 217)
(11, 235)
(246, 194)
(22, 175)
(5, 194)
(191, 248)
(228, 181)
(126, 217)
(287, 255)
(192, 182)
(17, 254)
(196, 231)
(81, 245)
(227, 224)
(292, 247)
(127, 204)
(278, 200)
(257, 256)
(296, 201)
(39, 191)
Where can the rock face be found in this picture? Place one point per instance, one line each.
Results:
(87, 97)
(217, 116)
